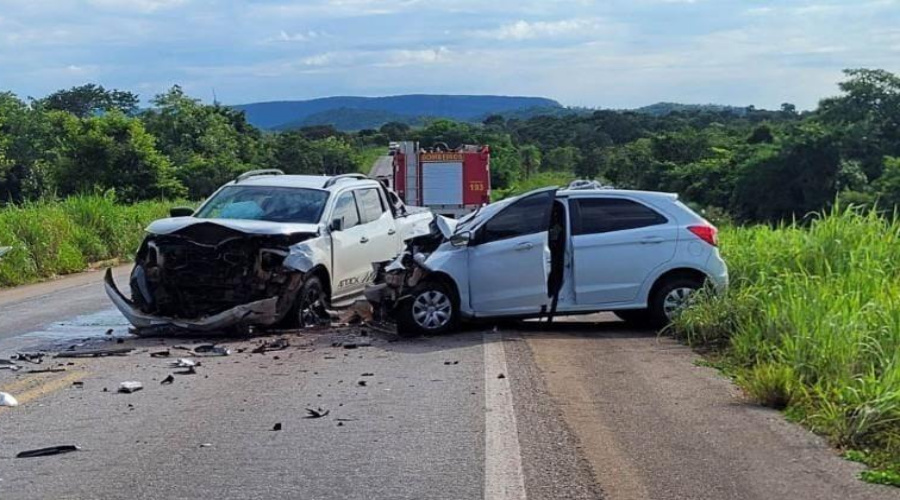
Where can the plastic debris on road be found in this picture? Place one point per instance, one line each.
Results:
(6, 399)
(184, 363)
(317, 413)
(168, 380)
(211, 350)
(129, 387)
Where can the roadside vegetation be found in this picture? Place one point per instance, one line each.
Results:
(811, 326)
(53, 238)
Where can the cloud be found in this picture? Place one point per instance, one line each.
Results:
(284, 36)
(145, 6)
(524, 30)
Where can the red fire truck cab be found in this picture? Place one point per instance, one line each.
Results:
(451, 182)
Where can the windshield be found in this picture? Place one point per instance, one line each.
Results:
(273, 204)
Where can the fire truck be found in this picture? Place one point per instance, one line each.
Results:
(451, 182)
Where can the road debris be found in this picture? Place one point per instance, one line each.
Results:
(7, 364)
(168, 380)
(501, 376)
(184, 363)
(129, 387)
(95, 353)
(362, 383)
(47, 370)
(110, 331)
(275, 345)
(30, 357)
(205, 445)
(161, 354)
(7, 399)
(187, 371)
(211, 350)
(368, 375)
(53, 450)
(317, 413)
(451, 362)
(78, 383)
(276, 427)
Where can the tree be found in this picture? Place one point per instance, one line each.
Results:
(89, 99)
(561, 159)
(115, 152)
(888, 186)
(396, 131)
(591, 164)
(530, 157)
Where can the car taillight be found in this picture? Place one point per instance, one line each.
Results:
(706, 233)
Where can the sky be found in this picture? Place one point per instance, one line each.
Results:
(592, 53)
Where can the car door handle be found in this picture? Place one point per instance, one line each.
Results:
(521, 247)
(392, 232)
(650, 240)
(364, 240)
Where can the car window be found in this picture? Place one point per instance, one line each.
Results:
(604, 215)
(526, 216)
(370, 205)
(274, 204)
(345, 209)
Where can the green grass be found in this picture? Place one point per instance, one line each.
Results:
(811, 325)
(60, 237)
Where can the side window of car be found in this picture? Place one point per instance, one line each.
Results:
(527, 216)
(604, 215)
(370, 205)
(345, 208)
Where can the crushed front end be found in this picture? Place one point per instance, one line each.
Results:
(208, 276)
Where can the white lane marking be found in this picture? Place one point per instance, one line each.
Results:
(503, 477)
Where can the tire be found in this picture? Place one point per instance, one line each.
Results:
(669, 297)
(635, 317)
(311, 303)
(431, 309)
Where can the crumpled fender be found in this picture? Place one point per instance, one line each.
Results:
(308, 254)
(261, 312)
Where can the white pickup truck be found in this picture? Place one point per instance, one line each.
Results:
(266, 249)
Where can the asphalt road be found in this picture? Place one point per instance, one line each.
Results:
(584, 409)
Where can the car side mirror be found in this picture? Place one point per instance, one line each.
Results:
(337, 224)
(181, 212)
(461, 239)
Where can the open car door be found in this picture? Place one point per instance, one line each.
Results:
(509, 258)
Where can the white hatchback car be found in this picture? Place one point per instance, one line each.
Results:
(552, 252)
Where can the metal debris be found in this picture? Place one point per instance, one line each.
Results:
(47, 370)
(129, 387)
(317, 413)
(168, 380)
(161, 354)
(53, 450)
(275, 345)
(276, 427)
(362, 383)
(6, 399)
(95, 353)
(30, 357)
(211, 350)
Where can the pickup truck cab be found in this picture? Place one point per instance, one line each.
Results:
(266, 248)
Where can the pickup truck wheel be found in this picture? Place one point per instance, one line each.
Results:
(311, 300)
(429, 310)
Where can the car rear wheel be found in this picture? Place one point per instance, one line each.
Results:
(670, 298)
(430, 310)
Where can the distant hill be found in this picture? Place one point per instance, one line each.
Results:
(287, 114)
(351, 119)
(666, 108)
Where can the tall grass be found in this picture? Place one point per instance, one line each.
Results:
(812, 323)
(53, 238)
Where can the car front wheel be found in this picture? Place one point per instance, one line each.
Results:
(429, 310)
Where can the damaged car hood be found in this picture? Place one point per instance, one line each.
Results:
(260, 227)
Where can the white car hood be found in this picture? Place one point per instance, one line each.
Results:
(173, 224)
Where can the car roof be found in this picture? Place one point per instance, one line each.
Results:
(588, 193)
(303, 181)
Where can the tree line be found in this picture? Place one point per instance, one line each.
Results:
(745, 163)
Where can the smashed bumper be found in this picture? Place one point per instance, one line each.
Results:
(262, 312)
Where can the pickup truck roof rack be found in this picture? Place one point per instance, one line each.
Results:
(255, 173)
(337, 178)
